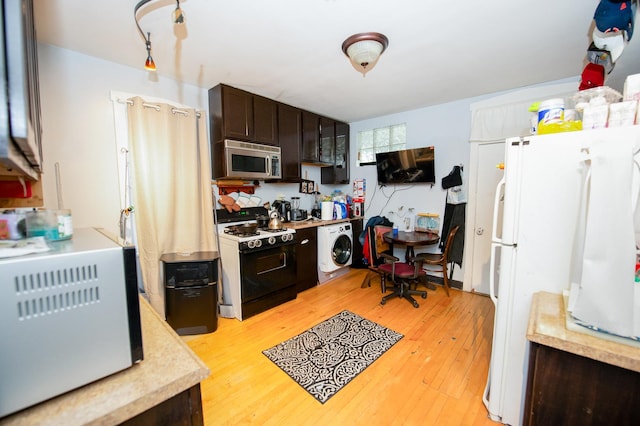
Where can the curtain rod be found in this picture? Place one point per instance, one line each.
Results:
(157, 107)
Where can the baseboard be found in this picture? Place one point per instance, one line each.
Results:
(438, 280)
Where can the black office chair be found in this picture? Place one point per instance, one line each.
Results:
(403, 275)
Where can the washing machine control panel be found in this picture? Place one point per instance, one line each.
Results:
(345, 228)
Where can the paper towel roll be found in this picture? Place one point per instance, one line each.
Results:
(327, 210)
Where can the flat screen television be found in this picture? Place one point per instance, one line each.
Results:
(406, 166)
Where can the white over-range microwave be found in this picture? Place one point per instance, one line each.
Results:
(248, 160)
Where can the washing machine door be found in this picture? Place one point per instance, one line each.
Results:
(341, 250)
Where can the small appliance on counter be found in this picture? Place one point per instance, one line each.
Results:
(69, 316)
(316, 212)
(297, 214)
(284, 208)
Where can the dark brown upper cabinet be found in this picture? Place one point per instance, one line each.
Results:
(303, 136)
(236, 114)
(290, 138)
(265, 120)
(338, 172)
(327, 140)
(310, 137)
(318, 139)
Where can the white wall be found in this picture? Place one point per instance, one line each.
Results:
(78, 133)
(446, 127)
(78, 129)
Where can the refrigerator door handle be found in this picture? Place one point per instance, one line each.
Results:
(496, 208)
(492, 274)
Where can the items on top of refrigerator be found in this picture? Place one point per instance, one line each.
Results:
(603, 93)
(615, 16)
(631, 89)
(592, 75)
(554, 118)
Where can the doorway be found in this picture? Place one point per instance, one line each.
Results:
(484, 175)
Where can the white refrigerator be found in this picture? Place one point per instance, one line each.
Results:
(535, 218)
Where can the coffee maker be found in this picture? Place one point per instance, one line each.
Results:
(284, 208)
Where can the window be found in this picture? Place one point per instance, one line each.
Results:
(384, 139)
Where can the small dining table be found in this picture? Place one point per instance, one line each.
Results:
(411, 239)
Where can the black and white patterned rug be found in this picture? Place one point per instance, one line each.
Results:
(329, 355)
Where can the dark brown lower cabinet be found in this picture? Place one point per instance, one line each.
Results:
(357, 261)
(307, 258)
(568, 389)
(184, 409)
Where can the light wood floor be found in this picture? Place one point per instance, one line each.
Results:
(435, 375)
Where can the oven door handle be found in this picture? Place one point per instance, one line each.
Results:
(254, 250)
(283, 264)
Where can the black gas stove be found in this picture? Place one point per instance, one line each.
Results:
(258, 267)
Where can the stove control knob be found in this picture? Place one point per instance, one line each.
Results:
(258, 243)
(251, 244)
(287, 237)
(272, 240)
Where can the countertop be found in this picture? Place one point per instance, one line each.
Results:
(315, 223)
(547, 327)
(168, 368)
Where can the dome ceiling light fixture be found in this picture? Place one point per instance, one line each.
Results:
(364, 50)
(177, 17)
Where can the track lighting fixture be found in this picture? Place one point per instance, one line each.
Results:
(177, 17)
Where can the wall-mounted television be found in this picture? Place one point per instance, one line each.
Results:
(406, 166)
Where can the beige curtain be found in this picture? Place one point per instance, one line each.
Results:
(172, 187)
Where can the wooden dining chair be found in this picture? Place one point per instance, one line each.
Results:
(376, 247)
(437, 262)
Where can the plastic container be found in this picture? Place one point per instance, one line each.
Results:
(584, 97)
(42, 223)
(65, 224)
(427, 222)
(53, 225)
(550, 111)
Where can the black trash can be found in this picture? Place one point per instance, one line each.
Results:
(191, 291)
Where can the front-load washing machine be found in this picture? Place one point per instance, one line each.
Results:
(335, 246)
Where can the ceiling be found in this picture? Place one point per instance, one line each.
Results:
(290, 50)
